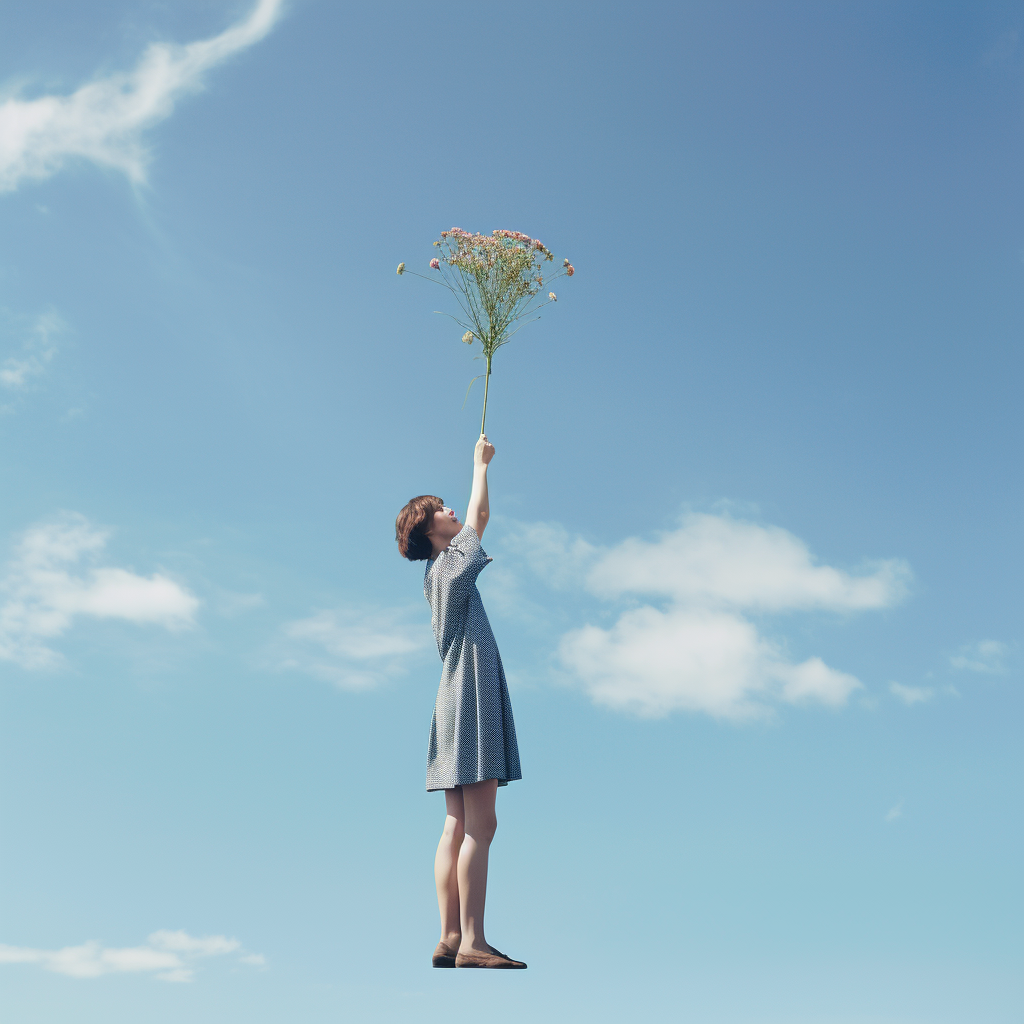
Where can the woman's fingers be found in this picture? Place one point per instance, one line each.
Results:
(484, 451)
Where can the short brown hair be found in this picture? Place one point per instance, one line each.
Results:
(411, 524)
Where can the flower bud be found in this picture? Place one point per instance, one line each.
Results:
(570, 270)
(435, 264)
(468, 338)
(552, 296)
(401, 268)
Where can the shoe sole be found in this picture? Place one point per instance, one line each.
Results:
(492, 967)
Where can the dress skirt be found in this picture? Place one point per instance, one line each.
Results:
(472, 734)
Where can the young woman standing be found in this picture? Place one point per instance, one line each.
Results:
(472, 749)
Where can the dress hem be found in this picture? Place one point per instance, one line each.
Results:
(501, 782)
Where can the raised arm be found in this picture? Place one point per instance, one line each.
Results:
(479, 510)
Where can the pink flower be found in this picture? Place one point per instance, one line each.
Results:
(435, 264)
(570, 270)
(538, 244)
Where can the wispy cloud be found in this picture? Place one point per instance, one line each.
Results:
(354, 648)
(46, 588)
(232, 603)
(104, 120)
(1001, 52)
(697, 650)
(987, 656)
(166, 955)
(38, 346)
(911, 695)
(895, 812)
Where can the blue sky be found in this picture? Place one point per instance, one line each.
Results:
(756, 507)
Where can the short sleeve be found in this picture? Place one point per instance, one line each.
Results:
(465, 555)
(464, 558)
(449, 584)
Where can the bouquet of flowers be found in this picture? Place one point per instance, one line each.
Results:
(496, 280)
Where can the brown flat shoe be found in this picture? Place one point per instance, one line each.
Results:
(494, 959)
(444, 956)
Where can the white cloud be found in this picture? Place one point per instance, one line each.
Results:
(699, 651)
(38, 349)
(717, 560)
(169, 956)
(911, 695)
(103, 121)
(813, 680)
(984, 656)
(652, 663)
(182, 942)
(895, 812)
(355, 648)
(178, 974)
(44, 593)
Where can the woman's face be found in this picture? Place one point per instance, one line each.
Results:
(446, 524)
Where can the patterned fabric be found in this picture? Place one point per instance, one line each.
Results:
(472, 735)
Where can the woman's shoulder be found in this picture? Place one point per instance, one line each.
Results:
(465, 540)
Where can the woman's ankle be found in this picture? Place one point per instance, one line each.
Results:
(452, 939)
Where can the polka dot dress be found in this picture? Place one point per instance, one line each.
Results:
(472, 735)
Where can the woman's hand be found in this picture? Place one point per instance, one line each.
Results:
(484, 451)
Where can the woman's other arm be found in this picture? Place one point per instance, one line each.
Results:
(479, 510)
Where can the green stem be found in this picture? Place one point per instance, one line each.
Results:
(487, 380)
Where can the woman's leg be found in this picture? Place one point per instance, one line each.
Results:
(445, 867)
(480, 823)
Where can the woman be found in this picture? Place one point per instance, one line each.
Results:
(472, 747)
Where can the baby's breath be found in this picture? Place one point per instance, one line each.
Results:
(495, 279)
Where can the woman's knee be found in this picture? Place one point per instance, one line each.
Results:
(454, 829)
(481, 821)
(482, 827)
